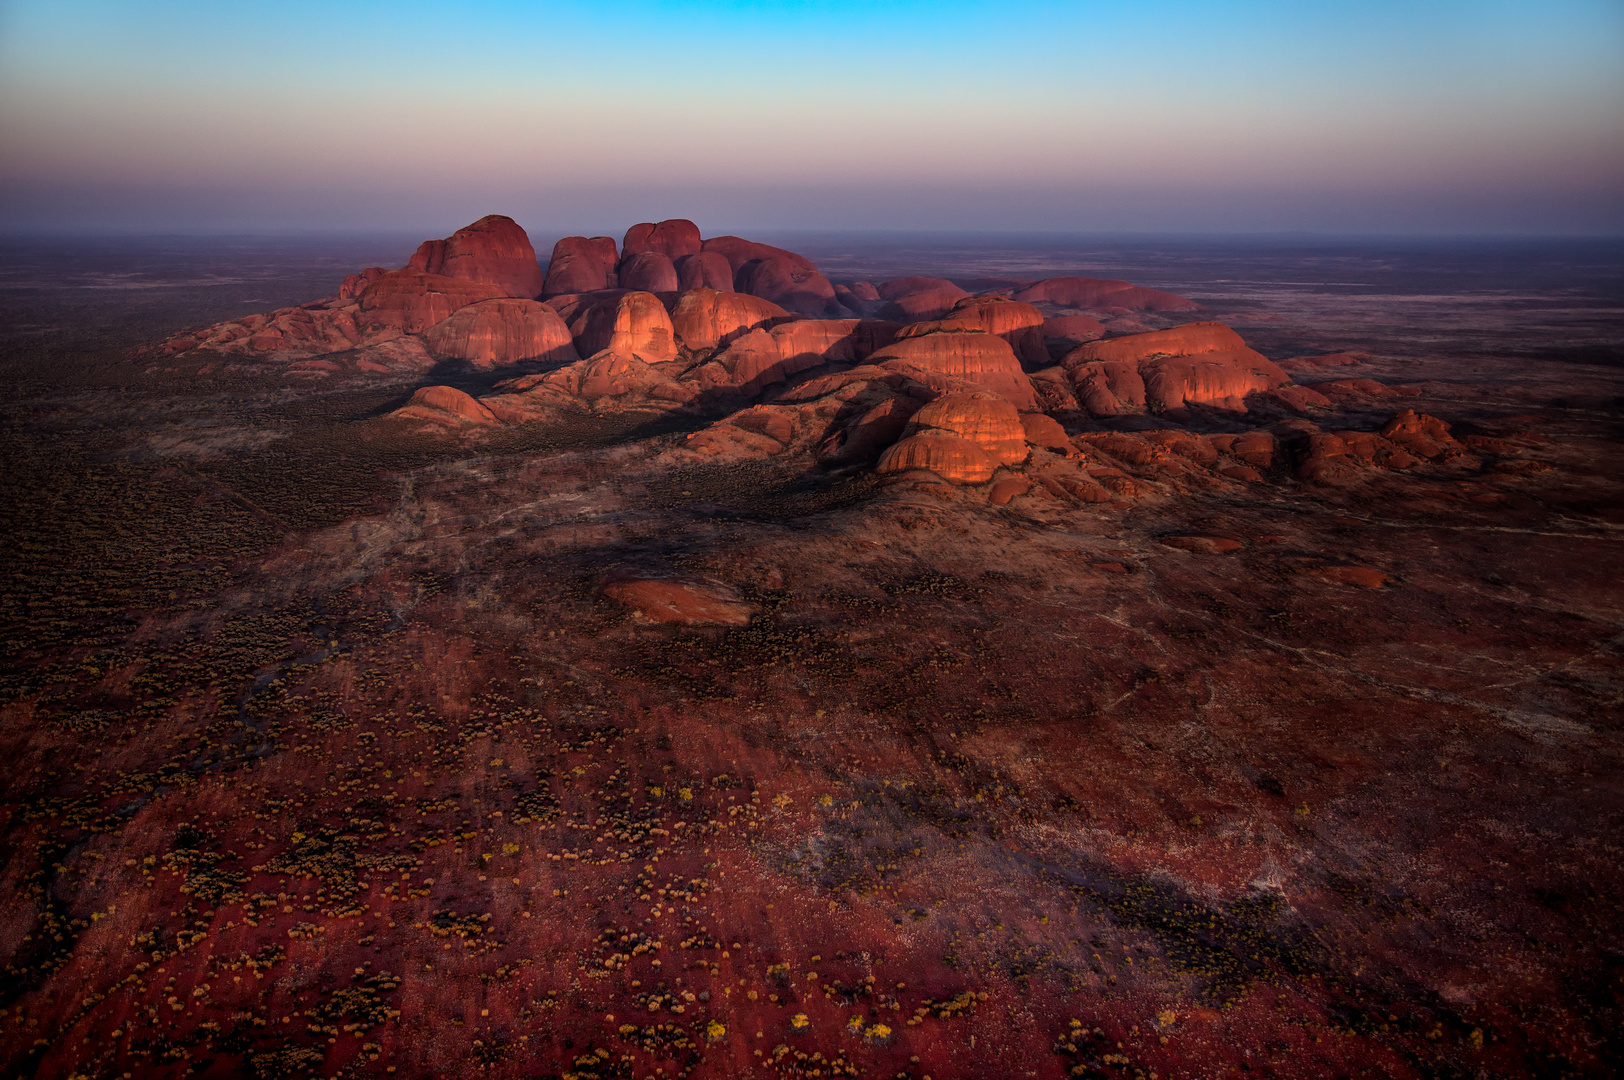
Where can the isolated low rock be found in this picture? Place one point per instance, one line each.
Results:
(662, 600)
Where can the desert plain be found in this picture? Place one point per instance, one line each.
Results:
(690, 658)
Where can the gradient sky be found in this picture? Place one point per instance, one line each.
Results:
(1416, 116)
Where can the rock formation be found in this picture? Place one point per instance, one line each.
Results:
(628, 324)
(412, 300)
(493, 250)
(580, 264)
(1203, 363)
(1101, 294)
(983, 359)
(704, 318)
(501, 333)
(673, 238)
(649, 271)
(706, 270)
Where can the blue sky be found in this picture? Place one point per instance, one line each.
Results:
(1443, 116)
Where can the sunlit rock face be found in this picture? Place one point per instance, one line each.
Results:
(1203, 363)
(412, 300)
(983, 359)
(502, 333)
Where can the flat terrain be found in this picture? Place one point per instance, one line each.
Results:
(330, 755)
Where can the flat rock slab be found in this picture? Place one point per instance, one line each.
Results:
(1203, 545)
(661, 600)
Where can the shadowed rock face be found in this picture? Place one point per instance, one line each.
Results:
(580, 264)
(494, 250)
(501, 333)
(649, 271)
(412, 301)
(789, 284)
(910, 286)
(983, 359)
(673, 238)
(706, 270)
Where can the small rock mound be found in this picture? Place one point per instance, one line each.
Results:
(445, 405)
(660, 600)
(1102, 294)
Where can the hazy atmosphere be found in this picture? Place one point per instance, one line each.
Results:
(1452, 116)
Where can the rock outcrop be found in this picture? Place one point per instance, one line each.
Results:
(706, 270)
(660, 600)
(501, 333)
(674, 238)
(627, 324)
(648, 271)
(412, 301)
(985, 360)
(955, 460)
(1203, 363)
(580, 264)
(1019, 324)
(1102, 294)
(987, 420)
(447, 406)
(785, 278)
(706, 318)
(493, 250)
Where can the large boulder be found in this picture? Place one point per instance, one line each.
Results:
(956, 460)
(706, 270)
(983, 359)
(1203, 363)
(648, 271)
(412, 301)
(1102, 294)
(580, 264)
(673, 238)
(1019, 324)
(445, 405)
(629, 324)
(503, 332)
(494, 250)
(987, 420)
(740, 253)
(788, 284)
(707, 318)
(846, 341)
(354, 285)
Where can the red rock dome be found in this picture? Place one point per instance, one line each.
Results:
(648, 271)
(493, 249)
(499, 333)
(708, 318)
(672, 238)
(954, 459)
(987, 420)
(580, 264)
(984, 359)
